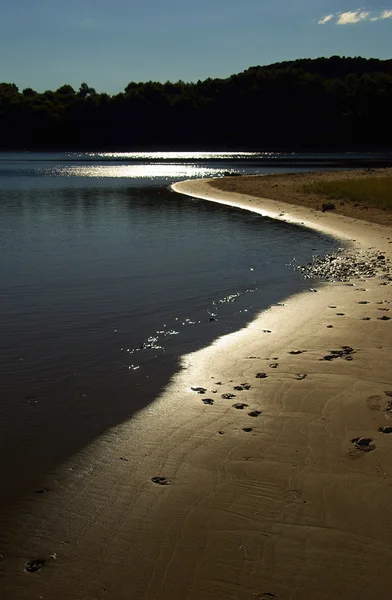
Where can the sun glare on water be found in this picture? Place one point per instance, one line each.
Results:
(137, 171)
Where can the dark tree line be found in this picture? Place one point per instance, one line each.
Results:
(325, 103)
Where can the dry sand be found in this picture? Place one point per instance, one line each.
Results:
(291, 510)
(289, 188)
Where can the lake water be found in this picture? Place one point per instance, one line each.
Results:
(107, 278)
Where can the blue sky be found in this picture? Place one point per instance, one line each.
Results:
(107, 43)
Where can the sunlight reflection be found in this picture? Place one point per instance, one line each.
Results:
(174, 155)
(133, 171)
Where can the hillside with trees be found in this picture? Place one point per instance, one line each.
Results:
(326, 103)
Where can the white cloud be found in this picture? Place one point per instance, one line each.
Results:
(326, 19)
(386, 14)
(352, 16)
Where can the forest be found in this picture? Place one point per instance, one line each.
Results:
(335, 103)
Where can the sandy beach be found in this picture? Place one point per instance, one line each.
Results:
(269, 480)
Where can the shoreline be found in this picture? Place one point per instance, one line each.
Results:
(290, 509)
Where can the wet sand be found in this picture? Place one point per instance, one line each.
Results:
(198, 499)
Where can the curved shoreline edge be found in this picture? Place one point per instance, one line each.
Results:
(278, 505)
(336, 225)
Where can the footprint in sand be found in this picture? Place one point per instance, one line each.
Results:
(160, 480)
(254, 413)
(208, 401)
(384, 318)
(364, 444)
(35, 565)
(274, 365)
(242, 386)
(199, 390)
(297, 351)
(247, 429)
(385, 429)
(228, 396)
(240, 405)
(266, 596)
(261, 375)
(365, 318)
(301, 376)
(374, 402)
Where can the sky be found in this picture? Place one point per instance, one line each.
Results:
(108, 43)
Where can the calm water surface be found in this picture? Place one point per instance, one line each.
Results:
(106, 278)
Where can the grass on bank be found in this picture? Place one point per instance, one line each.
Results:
(375, 192)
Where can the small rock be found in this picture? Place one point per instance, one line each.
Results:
(301, 376)
(247, 429)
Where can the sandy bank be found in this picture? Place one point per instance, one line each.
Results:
(289, 188)
(280, 505)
